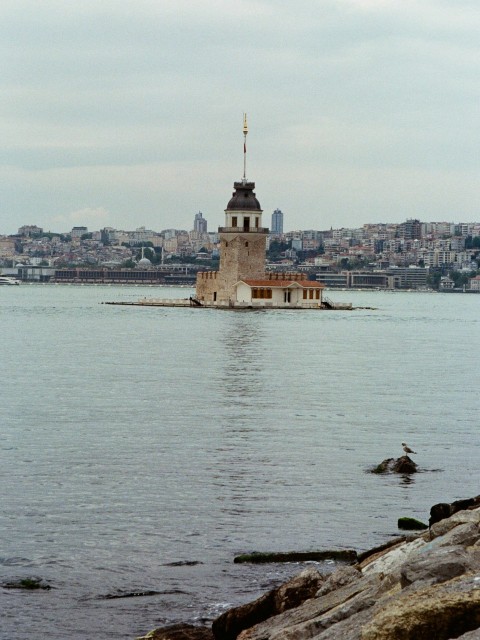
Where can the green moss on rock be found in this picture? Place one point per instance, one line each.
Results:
(411, 524)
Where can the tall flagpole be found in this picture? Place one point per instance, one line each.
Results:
(245, 131)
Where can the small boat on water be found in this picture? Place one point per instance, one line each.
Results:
(7, 280)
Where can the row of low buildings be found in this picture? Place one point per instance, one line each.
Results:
(375, 255)
(181, 274)
(390, 244)
(108, 244)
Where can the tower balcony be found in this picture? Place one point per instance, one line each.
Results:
(262, 230)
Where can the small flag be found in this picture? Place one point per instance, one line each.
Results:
(244, 148)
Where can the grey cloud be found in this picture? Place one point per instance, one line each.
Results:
(345, 87)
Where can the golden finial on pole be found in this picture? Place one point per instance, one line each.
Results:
(245, 131)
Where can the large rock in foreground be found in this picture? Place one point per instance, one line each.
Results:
(179, 632)
(423, 588)
(287, 596)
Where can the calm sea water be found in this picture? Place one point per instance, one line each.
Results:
(141, 449)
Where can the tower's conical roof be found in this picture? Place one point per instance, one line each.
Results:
(243, 198)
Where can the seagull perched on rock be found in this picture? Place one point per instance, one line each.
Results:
(407, 449)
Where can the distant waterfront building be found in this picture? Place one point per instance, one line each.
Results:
(200, 224)
(332, 279)
(411, 277)
(391, 278)
(277, 222)
(475, 283)
(446, 284)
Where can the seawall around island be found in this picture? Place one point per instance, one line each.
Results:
(238, 306)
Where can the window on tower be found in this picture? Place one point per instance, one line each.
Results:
(234, 221)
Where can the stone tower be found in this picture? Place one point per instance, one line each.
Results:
(242, 239)
(243, 243)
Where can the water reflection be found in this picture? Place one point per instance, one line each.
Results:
(241, 446)
(243, 348)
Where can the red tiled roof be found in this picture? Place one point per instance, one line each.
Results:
(282, 284)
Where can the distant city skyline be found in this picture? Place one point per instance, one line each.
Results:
(200, 225)
(123, 115)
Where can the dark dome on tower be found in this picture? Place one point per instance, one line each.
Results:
(243, 198)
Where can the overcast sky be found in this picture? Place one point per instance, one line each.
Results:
(129, 113)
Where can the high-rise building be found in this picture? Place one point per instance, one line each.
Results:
(411, 230)
(277, 222)
(200, 224)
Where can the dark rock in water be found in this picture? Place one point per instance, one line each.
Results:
(260, 557)
(183, 563)
(444, 510)
(384, 467)
(179, 632)
(403, 465)
(411, 524)
(130, 594)
(29, 584)
(439, 512)
(291, 594)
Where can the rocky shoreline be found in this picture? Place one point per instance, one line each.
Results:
(421, 587)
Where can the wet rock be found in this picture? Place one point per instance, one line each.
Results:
(29, 584)
(179, 632)
(403, 465)
(183, 563)
(444, 510)
(385, 466)
(130, 594)
(260, 557)
(289, 595)
(411, 524)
